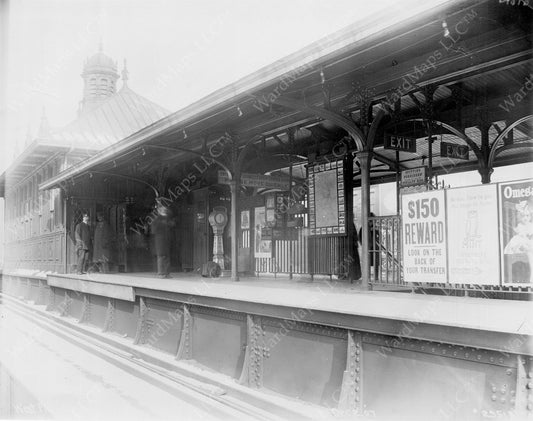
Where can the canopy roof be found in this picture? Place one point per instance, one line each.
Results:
(123, 114)
(476, 56)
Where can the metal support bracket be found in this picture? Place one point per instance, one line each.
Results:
(141, 323)
(86, 310)
(51, 299)
(252, 369)
(64, 307)
(185, 346)
(109, 316)
(351, 395)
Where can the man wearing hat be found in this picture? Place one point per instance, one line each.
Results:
(83, 243)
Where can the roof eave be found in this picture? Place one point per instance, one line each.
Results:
(311, 56)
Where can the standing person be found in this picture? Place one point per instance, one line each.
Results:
(373, 245)
(354, 268)
(161, 230)
(102, 243)
(83, 243)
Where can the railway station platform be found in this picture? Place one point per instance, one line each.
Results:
(324, 343)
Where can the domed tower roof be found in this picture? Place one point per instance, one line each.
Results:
(100, 63)
(99, 77)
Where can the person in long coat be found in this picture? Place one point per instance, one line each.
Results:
(102, 243)
(354, 264)
(83, 243)
(162, 232)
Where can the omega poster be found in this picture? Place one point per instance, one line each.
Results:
(424, 237)
(516, 231)
(473, 251)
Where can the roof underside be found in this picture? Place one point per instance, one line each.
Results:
(484, 61)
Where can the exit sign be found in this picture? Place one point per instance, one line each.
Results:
(453, 150)
(400, 143)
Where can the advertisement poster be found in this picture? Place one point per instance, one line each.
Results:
(262, 247)
(516, 231)
(473, 250)
(424, 237)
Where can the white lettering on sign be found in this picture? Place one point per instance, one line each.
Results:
(424, 237)
(414, 176)
(509, 192)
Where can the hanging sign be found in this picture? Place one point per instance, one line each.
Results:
(413, 177)
(473, 252)
(453, 150)
(257, 180)
(516, 225)
(399, 143)
(424, 237)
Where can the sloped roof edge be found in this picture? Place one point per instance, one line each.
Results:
(354, 35)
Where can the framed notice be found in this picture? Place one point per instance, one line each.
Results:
(473, 251)
(327, 205)
(424, 237)
(516, 231)
(262, 246)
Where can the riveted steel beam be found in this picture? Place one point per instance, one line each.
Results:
(451, 334)
(524, 388)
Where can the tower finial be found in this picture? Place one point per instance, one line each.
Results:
(125, 74)
(44, 127)
(101, 46)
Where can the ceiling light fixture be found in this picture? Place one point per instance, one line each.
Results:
(446, 30)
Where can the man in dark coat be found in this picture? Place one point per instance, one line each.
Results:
(354, 264)
(83, 243)
(161, 230)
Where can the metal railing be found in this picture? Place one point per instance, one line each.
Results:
(385, 250)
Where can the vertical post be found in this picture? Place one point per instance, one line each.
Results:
(364, 160)
(430, 153)
(397, 182)
(234, 188)
(291, 146)
(483, 161)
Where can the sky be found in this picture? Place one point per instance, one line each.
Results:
(177, 51)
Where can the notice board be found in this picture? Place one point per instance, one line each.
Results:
(424, 237)
(473, 255)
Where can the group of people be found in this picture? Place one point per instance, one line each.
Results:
(92, 246)
(95, 248)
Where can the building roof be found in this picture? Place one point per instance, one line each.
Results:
(118, 117)
(123, 114)
(376, 59)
